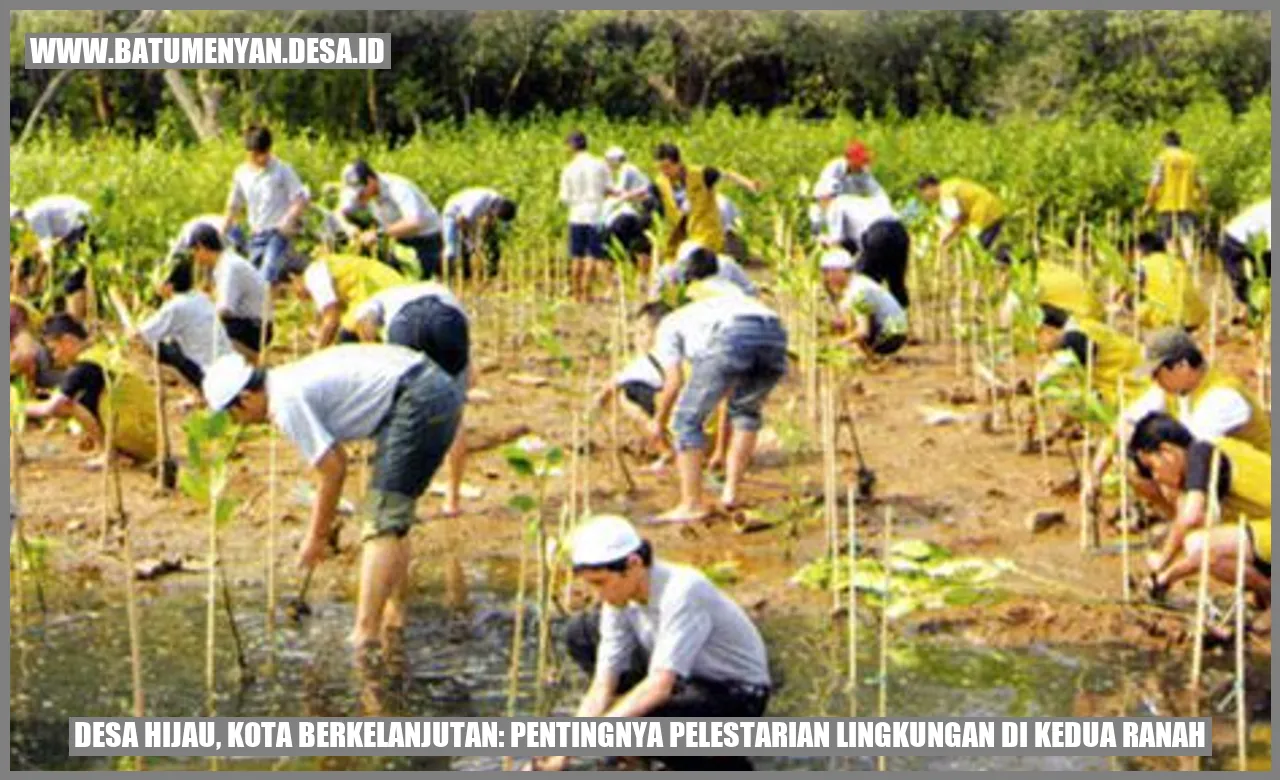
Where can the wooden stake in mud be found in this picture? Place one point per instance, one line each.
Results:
(517, 633)
(1124, 493)
(1202, 592)
(1088, 521)
(272, 471)
(883, 709)
(829, 480)
(1242, 713)
(162, 427)
(853, 599)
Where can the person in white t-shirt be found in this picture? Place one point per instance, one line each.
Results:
(240, 293)
(182, 242)
(269, 193)
(61, 224)
(737, 349)
(585, 183)
(677, 273)
(406, 403)
(185, 332)
(474, 219)
(848, 175)
(635, 388)
(870, 230)
(403, 213)
(426, 318)
(1243, 236)
(871, 317)
(735, 245)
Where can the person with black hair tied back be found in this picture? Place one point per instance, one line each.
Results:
(666, 643)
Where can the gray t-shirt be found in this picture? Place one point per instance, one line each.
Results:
(729, 271)
(688, 627)
(336, 395)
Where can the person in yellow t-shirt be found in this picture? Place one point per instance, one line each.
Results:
(1165, 450)
(1166, 291)
(1054, 284)
(336, 285)
(1176, 192)
(686, 199)
(967, 205)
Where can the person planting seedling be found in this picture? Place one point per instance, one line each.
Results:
(849, 174)
(873, 319)
(635, 388)
(1165, 450)
(473, 219)
(1054, 284)
(1176, 192)
(336, 285)
(426, 318)
(1211, 403)
(61, 226)
(1166, 292)
(98, 383)
(185, 332)
(240, 295)
(676, 275)
(403, 213)
(737, 350)
(29, 358)
(181, 244)
(967, 205)
(1248, 230)
(666, 643)
(869, 229)
(686, 201)
(584, 184)
(268, 191)
(399, 398)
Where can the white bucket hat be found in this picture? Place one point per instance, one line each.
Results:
(603, 540)
(224, 380)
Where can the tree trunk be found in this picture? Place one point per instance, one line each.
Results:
(371, 87)
(190, 106)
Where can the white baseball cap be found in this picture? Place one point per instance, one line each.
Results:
(826, 188)
(615, 154)
(224, 380)
(603, 540)
(686, 249)
(836, 260)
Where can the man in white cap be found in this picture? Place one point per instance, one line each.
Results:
(403, 212)
(737, 350)
(677, 273)
(666, 642)
(871, 317)
(629, 182)
(869, 229)
(399, 398)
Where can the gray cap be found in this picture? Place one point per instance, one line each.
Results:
(1166, 347)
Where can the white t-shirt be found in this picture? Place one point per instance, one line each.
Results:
(189, 320)
(630, 178)
(266, 194)
(617, 208)
(865, 296)
(862, 184)
(336, 395)
(1220, 411)
(469, 204)
(319, 284)
(239, 290)
(728, 212)
(584, 184)
(1253, 221)
(398, 198)
(54, 217)
(385, 306)
(217, 221)
(687, 333)
(849, 216)
(728, 270)
(642, 370)
(687, 627)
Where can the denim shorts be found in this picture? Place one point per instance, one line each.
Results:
(411, 444)
(269, 252)
(744, 361)
(1176, 223)
(435, 329)
(585, 241)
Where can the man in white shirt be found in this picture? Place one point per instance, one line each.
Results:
(584, 185)
(473, 219)
(218, 222)
(270, 194)
(390, 394)
(241, 296)
(403, 212)
(872, 318)
(737, 349)
(848, 175)
(629, 182)
(185, 332)
(677, 273)
(426, 318)
(1243, 236)
(666, 642)
(61, 226)
(869, 229)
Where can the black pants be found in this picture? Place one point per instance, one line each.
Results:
(247, 332)
(988, 237)
(436, 330)
(692, 698)
(67, 248)
(429, 250)
(172, 355)
(1242, 266)
(629, 230)
(885, 249)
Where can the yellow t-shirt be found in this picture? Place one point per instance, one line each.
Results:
(1169, 294)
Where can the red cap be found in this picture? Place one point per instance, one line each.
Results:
(857, 153)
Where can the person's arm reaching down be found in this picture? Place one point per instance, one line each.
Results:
(332, 472)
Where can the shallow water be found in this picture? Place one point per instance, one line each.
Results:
(456, 664)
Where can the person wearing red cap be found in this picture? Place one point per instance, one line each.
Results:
(848, 175)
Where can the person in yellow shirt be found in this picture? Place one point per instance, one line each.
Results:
(966, 205)
(1165, 450)
(1176, 192)
(337, 285)
(1166, 291)
(97, 384)
(1113, 356)
(1053, 283)
(686, 198)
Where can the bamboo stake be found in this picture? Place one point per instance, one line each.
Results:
(1088, 528)
(162, 425)
(272, 470)
(1202, 592)
(1213, 322)
(211, 602)
(517, 636)
(544, 621)
(883, 709)
(1124, 493)
(853, 601)
(1242, 713)
(830, 483)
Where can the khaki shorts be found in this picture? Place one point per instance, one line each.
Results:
(387, 514)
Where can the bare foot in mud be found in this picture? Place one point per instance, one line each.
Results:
(681, 515)
(360, 642)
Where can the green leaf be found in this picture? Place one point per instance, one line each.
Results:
(521, 465)
(193, 485)
(918, 550)
(224, 510)
(554, 456)
(522, 503)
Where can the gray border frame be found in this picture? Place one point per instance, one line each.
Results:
(489, 5)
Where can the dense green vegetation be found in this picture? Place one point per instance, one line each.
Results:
(1126, 66)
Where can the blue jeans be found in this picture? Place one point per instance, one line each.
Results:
(268, 251)
(745, 360)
